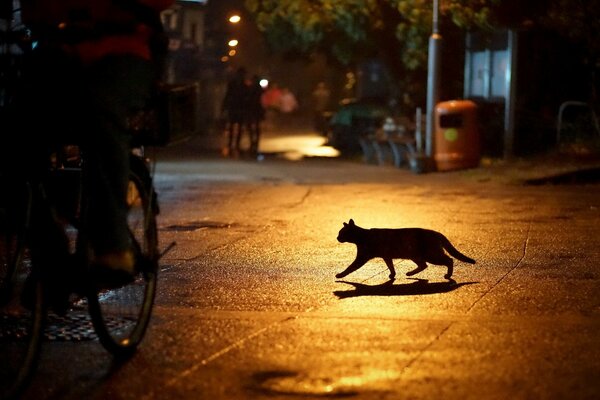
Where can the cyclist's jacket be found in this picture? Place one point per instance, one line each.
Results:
(94, 29)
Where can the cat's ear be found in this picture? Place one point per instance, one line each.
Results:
(345, 224)
(351, 222)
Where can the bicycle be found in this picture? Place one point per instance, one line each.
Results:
(120, 315)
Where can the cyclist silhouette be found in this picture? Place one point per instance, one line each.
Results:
(94, 63)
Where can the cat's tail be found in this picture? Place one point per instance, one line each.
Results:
(455, 253)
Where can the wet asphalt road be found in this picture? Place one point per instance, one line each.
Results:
(249, 307)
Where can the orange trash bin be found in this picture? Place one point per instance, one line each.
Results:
(457, 141)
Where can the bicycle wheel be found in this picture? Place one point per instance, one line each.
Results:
(121, 315)
(22, 313)
(14, 218)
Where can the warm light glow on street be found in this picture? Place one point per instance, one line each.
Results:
(296, 147)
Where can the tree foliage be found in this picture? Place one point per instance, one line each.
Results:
(578, 20)
(397, 31)
(349, 30)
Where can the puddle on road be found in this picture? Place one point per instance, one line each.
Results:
(291, 383)
(197, 225)
(304, 385)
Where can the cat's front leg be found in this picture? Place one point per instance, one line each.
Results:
(356, 264)
(421, 265)
(390, 264)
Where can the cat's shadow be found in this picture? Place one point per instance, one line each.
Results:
(419, 287)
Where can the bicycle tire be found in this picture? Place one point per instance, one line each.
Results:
(14, 218)
(121, 316)
(22, 320)
(8, 251)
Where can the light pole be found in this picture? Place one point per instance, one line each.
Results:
(433, 80)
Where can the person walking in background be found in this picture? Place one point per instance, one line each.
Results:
(320, 98)
(255, 113)
(233, 108)
(271, 96)
(287, 101)
(270, 102)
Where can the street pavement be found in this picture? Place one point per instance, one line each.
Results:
(249, 307)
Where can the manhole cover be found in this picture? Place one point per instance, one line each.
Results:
(74, 327)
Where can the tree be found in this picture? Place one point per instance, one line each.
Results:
(349, 31)
(579, 20)
(397, 31)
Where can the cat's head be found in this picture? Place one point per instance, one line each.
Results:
(348, 232)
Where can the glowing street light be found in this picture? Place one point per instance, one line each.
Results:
(235, 18)
(233, 43)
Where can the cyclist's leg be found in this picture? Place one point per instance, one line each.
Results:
(117, 85)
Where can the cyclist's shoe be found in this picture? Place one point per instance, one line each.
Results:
(28, 293)
(56, 295)
(114, 269)
(60, 281)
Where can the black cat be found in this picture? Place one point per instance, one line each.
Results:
(421, 246)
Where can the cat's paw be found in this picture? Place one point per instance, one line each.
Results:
(448, 276)
(392, 276)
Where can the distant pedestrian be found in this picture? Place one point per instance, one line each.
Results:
(320, 97)
(270, 102)
(255, 112)
(271, 96)
(287, 101)
(233, 108)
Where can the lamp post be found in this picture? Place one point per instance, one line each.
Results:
(433, 79)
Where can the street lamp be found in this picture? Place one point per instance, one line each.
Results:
(233, 43)
(235, 18)
(433, 79)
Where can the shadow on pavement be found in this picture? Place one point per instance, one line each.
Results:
(420, 287)
(583, 176)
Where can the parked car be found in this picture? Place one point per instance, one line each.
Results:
(353, 119)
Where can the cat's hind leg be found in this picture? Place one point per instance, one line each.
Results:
(450, 265)
(421, 265)
(444, 260)
(390, 264)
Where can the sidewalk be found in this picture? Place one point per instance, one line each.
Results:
(537, 170)
(549, 168)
